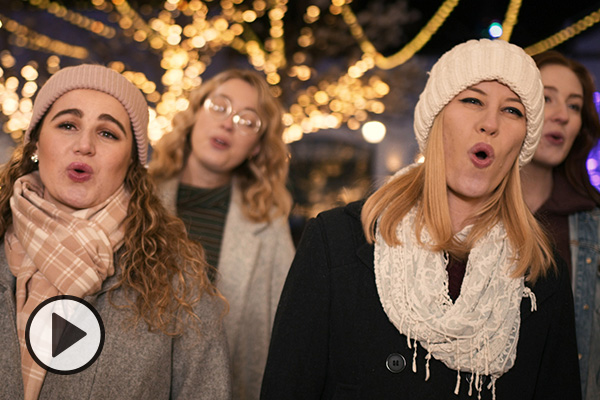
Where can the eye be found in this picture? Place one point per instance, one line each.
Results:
(108, 134)
(471, 100)
(575, 107)
(217, 108)
(67, 126)
(514, 110)
(547, 99)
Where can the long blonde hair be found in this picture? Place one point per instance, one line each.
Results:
(162, 269)
(424, 186)
(262, 178)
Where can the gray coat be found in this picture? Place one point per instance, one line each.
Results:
(134, 363)
(253, 264)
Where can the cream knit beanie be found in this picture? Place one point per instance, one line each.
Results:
(103, 79)
(475, 61)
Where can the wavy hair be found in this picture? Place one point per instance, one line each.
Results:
(262, 178)
(574, 165)
(163, 272)
(424, 186)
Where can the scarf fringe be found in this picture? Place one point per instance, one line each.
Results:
(414, 363)
(427, 358)
(412, 285)
(527, 292)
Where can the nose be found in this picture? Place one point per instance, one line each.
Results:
(488, 123)
(84, 143)
(558, 112)
(228, 123)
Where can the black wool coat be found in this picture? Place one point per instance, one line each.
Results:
(333, 340)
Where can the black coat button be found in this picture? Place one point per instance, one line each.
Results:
(395, 363)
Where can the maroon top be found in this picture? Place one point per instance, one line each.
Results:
(456, 273)
(554, 214)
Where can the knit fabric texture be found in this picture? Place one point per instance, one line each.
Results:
(476, 61)
(103, 79)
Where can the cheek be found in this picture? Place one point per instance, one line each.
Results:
(249, 146)
(197, 131)
(452, 147)
(121, 160)
(574, 128)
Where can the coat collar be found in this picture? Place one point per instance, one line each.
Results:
(7, 279)
(365, 249)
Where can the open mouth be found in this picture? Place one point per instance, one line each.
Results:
(482, 155)
(79, 172)
(220, 143)
(555, 138)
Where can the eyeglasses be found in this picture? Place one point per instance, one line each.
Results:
(247, 121)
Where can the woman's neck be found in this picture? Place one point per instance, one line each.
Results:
(462, 210)
(537, 182)
(195, 175)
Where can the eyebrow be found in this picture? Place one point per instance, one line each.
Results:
(108, 117)
(78, 113)
(515, 99)
(231, 101)
(73, 111)
(571, 95)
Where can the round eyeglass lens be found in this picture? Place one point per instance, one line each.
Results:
(248, 121)
(219, 106)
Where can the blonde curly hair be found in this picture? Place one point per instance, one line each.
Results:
(262, 178)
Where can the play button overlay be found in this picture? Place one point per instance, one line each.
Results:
(64, 334)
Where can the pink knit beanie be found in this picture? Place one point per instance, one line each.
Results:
(476, 61)
(103, 79)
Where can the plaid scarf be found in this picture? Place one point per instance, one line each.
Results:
(52, 252)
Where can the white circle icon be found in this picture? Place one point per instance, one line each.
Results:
(64, 334)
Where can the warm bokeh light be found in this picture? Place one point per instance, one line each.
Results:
(186, 36)
(373, 131)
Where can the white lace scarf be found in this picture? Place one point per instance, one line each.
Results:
(479, 332)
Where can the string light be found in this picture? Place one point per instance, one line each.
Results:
(25, 37)
(75, 18)
(186, 36)
(510, 19)
(565, 34)
(408, 51)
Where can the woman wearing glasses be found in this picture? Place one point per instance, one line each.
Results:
(222, 170)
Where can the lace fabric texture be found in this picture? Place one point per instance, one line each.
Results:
(479, 332)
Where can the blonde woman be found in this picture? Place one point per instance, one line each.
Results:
(442, 285)
(223, 171)
(79, 217)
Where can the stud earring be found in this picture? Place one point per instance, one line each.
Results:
(34, 158)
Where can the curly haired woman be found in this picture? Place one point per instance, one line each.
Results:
(79, 217)
(223, 170)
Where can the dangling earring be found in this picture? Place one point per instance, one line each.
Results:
(34, 158)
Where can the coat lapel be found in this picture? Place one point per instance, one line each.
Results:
(365, 250)
(237, 261)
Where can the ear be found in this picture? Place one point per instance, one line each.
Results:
(255, 151)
